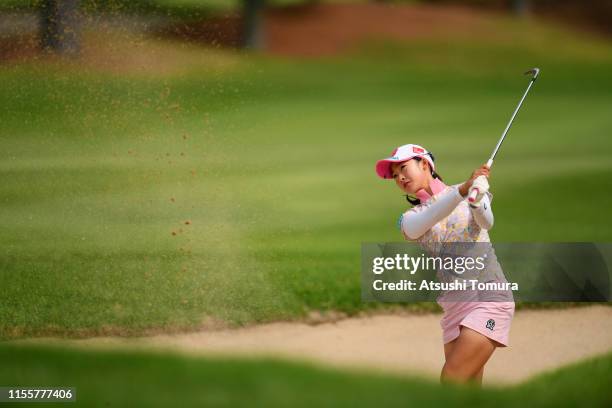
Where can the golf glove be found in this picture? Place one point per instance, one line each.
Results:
(482, 185)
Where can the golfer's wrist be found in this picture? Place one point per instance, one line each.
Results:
(463, 190)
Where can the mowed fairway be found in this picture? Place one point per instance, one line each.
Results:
(239, 192)
(145, 379)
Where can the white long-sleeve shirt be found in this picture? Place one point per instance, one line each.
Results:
(484, 214)
(414, 224)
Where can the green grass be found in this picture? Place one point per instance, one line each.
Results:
(271, 163)
(149, 379)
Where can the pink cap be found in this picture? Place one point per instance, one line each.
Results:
(401, 154)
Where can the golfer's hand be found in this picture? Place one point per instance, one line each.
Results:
(464, 189)
(479, 188)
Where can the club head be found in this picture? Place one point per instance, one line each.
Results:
(534, 72)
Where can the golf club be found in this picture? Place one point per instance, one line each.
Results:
(534, 72)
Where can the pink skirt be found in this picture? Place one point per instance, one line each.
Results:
(492, 319)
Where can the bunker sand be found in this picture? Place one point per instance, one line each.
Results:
(540, 340)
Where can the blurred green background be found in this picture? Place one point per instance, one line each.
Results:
(108, 378)
(177, 184)
(152, 183)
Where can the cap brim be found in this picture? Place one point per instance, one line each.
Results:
(383, 168)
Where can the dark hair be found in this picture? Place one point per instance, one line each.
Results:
(416, 201)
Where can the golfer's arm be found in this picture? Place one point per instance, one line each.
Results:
(414, 224)
(483, 214)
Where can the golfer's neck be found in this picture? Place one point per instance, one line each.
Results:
(428, 188)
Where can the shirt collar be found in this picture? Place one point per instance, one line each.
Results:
(436, 186)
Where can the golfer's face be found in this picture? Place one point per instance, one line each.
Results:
(408, 176)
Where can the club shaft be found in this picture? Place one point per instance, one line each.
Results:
(503, 136)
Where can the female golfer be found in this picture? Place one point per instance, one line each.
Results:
(472, 328)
